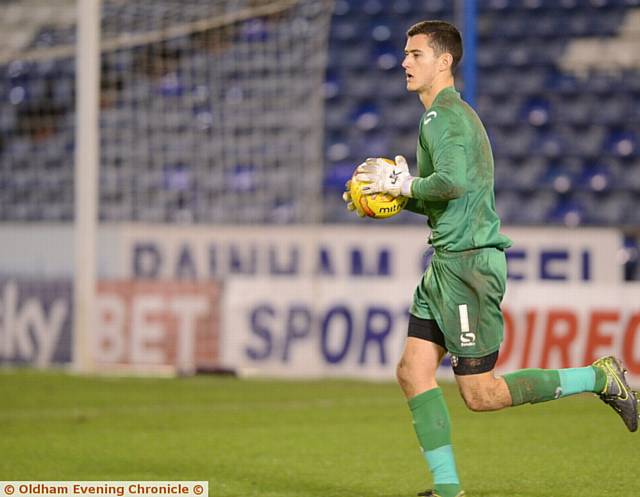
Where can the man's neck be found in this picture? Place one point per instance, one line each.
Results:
(429, 95)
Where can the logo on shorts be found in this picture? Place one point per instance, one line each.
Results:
(454, 361)
(467, 337)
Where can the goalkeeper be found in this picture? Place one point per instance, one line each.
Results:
(456, 305)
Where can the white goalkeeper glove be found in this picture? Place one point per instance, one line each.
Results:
(346, 196)
(384, 177)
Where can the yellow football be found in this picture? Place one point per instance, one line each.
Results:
(376, 205)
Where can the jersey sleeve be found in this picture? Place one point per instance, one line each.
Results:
(442, 131)
(416, 206)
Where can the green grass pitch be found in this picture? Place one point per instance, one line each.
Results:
(300, 438)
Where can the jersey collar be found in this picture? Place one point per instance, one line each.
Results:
(449, 90)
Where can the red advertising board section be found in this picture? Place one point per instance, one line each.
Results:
(155, 324)
(563, 336)
(563, 329)
(550, 326)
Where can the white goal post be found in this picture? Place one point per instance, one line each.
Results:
(87, 166)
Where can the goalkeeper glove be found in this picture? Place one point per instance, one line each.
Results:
(384, 177)
(346, 196)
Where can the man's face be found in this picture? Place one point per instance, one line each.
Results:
(420, 63)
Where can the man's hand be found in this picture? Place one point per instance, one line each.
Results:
(381, 176)
(346, 196)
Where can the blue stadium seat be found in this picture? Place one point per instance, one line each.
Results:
(612, 109)
(341, 8)
(512, 25)
(337, 147)
(353, 82)
(366, 116)
(609, 209)
(524, 172)
(371, 143)
(600, 83)
(575, 110)
(559, 177)
(530, 81)
(401, 8)
(599, 177)
(372, 7)
(337, 114)
(504, 176)
(353, 56)
(546, 25)
(337, 175)
(537, 112)
(343, 29)
(496, 5)
(505, 111)
(548, 144)
(403, 142)
(387, 56)
(332, 86)
(507, 204)
(609, 22)
(581, 24)
(492, 82)
(520, 54)
(630, 80)
(588, 140)
(567, 211)
(632, 214)
(403, 113)
(534, 208)
(533, 6)
(513, 141)
(560, 83)
(623, 143)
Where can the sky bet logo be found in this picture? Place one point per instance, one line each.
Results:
(35, 321)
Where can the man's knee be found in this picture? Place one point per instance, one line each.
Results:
(416, 371)
(476, 399)
(404, 374)
(414, 378)
(483, 393)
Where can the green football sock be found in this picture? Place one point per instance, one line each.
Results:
(541, 385)
(433, 427)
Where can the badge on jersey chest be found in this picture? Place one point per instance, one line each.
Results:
(430, 115)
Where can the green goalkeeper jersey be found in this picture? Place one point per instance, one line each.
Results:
(455, 184)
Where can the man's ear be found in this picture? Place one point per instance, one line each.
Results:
(446, 62)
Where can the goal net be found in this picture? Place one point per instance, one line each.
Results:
(211, 112)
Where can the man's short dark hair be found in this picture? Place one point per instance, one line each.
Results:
(444, 37)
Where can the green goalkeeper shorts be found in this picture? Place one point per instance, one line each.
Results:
(462, 292)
